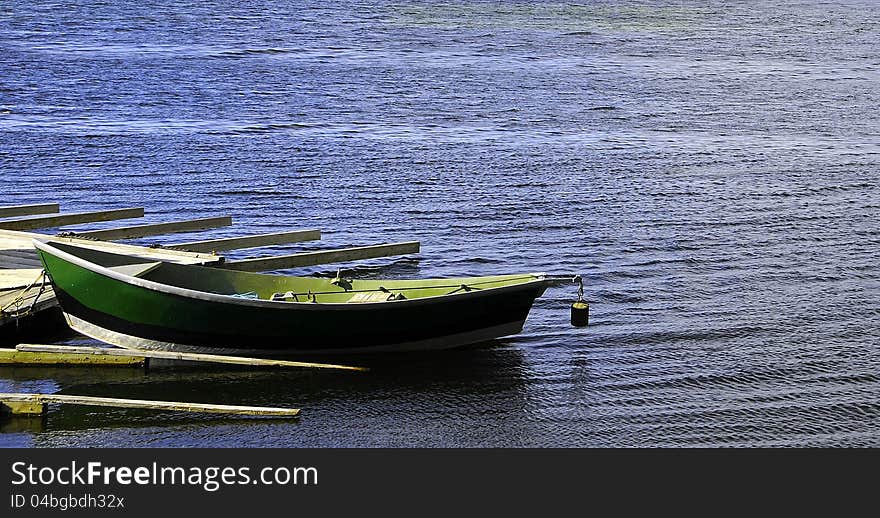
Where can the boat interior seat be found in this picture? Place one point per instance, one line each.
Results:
(373, 296)
(136, 270)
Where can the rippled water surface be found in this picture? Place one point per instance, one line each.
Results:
(711, 171)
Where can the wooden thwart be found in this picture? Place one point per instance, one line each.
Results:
(283, 262)
(70, 219)
(169, 355)
(36, 404)
(237, 243)
(28, 210)
(156, 229)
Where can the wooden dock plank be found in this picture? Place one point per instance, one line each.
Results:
(18, 278)
(16, 301)
(283, 262)
(237, 243)
(170, 355)
(10, 211)
(156, 229)
(26, 358)
(19, 259)
(15, 240)
(9, 401)
(24, 240)
(36, 222)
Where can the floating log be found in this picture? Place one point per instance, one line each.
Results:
(156, 229)
(19, 260)
(35, 404)
(170, 355)
(282, 262)
(28, 210)
(237, 243)
(26, 358)
(70, 219)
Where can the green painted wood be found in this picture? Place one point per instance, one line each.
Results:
(203, 318)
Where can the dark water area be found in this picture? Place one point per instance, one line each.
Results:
(711, 170)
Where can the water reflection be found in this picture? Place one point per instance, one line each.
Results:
(409, 384)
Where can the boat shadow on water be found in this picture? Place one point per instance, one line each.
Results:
(398, 383)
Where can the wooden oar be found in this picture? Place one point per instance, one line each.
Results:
(170, 355)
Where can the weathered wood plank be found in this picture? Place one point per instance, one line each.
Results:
(17, 279)
(237, 243)
(10, 211)
(283, 262)
(24, 240)
(9, 401)
(26, 358)
(169, 355)
(155, 229)
(24, 407)
(70, 219)
(14, 243)
(15, 298)
(18, 259)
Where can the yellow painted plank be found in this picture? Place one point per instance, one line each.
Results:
(155, 229)
(60, 220)
(31, 407)
(7, 399)
(15, 357)
(283, 262)
(171, 355)
(10, 211)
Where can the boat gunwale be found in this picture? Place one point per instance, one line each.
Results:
(46, 247)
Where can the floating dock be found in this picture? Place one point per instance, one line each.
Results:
(28, 309)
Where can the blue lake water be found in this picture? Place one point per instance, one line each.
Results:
(713, 171)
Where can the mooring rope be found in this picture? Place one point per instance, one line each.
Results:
(17, 301)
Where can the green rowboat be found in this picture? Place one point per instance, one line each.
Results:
(128, 302)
